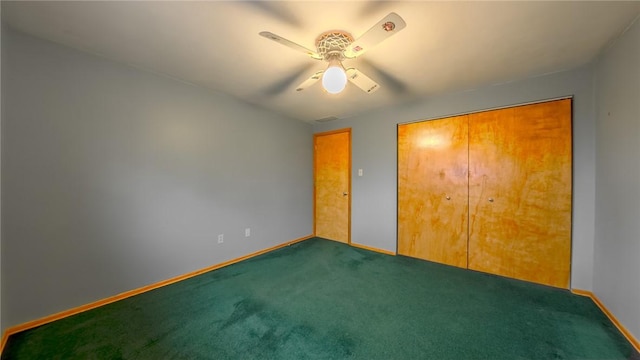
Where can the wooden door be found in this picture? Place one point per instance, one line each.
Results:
(433, 191)
(332, 172)
(520, 192)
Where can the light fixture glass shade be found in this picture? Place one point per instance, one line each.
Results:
(334, 78)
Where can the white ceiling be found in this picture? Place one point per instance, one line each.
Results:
(446, 46)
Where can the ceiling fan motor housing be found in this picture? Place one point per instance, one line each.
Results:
(333, 43)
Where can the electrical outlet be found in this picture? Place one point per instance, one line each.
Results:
(247, 232)
(220, 238)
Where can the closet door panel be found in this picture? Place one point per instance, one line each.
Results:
(433, 190)
(520, 192)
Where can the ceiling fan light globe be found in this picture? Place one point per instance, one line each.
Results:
(334, 79)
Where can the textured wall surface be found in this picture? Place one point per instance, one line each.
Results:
(117, 178)
(617, 246)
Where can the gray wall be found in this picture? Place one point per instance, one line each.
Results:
(617, 244)
(374, 150)
(114, 178)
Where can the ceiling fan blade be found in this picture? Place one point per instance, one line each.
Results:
(389, 81)
(362, 81)
(286, 83)
(310, 81)
(384, 29)
(290, 44)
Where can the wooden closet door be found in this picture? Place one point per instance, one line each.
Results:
(432, 190)
(520, 192)
(332, 185)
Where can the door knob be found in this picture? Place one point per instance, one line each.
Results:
(344, 194)
(448, 197)
(490, 199)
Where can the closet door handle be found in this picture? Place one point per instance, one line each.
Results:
(490, 199)
(448, 197)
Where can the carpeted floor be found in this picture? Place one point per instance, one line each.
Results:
(320, 299)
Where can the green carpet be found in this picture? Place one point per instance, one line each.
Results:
(324, 300)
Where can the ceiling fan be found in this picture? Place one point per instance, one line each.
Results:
(335, 46)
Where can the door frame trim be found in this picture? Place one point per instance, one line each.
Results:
(331, 132)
